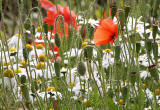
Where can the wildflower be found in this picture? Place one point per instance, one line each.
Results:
(23, 64)
(84, 44)
(6, 63)
(71, 84)
(18, 35)
(39, 46)
(18, 71)
(106, 32)
(87, 103)
(12, 49)
(51, 109)
(42, 58)
(40, 65)
(150, 29)
(38, 29)
(108, 50)
(121, 102)
(157, 91)
(39, 81)
(52, 13)
(85, 40)
(144, 86)
(51, 88)
(8, 73)
(28, 46)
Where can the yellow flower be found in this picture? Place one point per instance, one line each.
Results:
(51, 88)
(42, 57)
(87, 103)
(40, 65)
(28, 46)
(38, 29)
(18, 71)
(71, 84)
(6, 63)
(108, 50)
(121, 101)
(18, 35)
(39, 46)
(150, 29)
(85, 40)
(51, 109)
(84, 44)
(144, 86)
(12, 49)
(147, 69)
(8, 73)
(80, 99)
(112, 55)
(39, 81)
(122, 86)
(23, 64)
(157, 92)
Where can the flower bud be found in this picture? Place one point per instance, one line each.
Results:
(155, 51)
(57, 68)
(51, 27)
(121, 18)
(88, 52)
(138, 47)
(34, 86)
(127, 10)
(57, 40)
(81, 68)
(113, 10)
(45, 27)
(148, 45)
(117, 52)
(27, 24)
(25, 91)
(25, 54)
(155, 30)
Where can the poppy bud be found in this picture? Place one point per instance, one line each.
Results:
(57, 68)
(154, 73)
(25, 91)
(34, 86)
(27, 24)
(133, 77)
(124, 92)
(155, 30)
(45, 27)
(79, 42)
(33, 30)
(121, 18)
(83, 31)
(26, 36)
(25, 54)
(81, 68)
(155, 51)
(155, 14)
(148, 45)
(51, 27)
(88, 52)
(117, 52)
(113, 10)
(57, 40)
(127, 10)
(138, 47)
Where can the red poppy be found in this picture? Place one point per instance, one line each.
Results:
(52, 13)
(106, 32)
